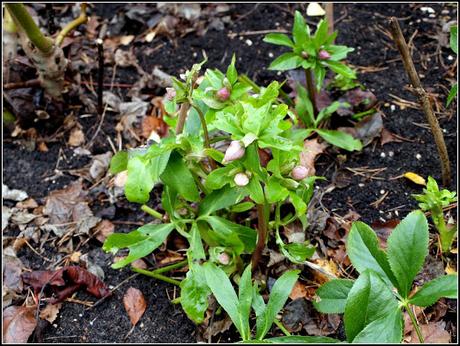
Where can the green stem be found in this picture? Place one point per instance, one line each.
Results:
(156, 276)
(170, 267)
(414, 323)
(25, 21)
(282, 327)
(152, 212)
(205, 132)
(311, 90)
(72, 25)
(219, 138)
(176, 301)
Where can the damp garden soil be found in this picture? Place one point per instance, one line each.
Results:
(358, 27)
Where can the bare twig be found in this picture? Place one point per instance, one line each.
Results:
(100, 75)
(423, 99)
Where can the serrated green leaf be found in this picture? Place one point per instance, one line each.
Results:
(364, 252)
(340, 139)
(368, 300)
(333, 296)
(119, 162)
(278, 296)
(286, 61)
(407, 249)
(178, 177)
(278, 39)
(194, 294)
(443, 286)
(386, 329)
(218, 178)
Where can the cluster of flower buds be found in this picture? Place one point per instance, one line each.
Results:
(324, 55)
(234, 152)
(299, 172)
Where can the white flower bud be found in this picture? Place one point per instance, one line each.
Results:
(224, 258)
(241, 179)
(234, 152)
(299, 172)
(170, 94)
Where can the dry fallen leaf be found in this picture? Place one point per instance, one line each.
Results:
(298, 291)
(384, 229)
(50, 312)
(135, 304)
(311, 149)
(103, 230)
(76, 138)
(18, 323)
(415, 178)
(433, 333)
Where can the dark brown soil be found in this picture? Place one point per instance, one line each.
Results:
(358, 23)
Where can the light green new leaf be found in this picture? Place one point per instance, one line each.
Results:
(340, 139)
(274, 191)
(255, 190)
(332, 296)
(178, 177)
(452, 94)
(194, 294)
(300, 30)
(231, 74)
(430, 292)
(139, 182)
(278, 297)
(119, 162)
(407, 249)
(364, 252)
(368, 300)
(453, 38)
(386, 329)
(196, 250)
(245, 299)
(321, 34)
(341, 69)
(278, 39)
(286, 61)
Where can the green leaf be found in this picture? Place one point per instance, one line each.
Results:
(242, 207)
(222, 289)
(341, 69)
(119, 162)
(147, 238)
(332, 296)
(278, 39)
(196, 251)
(140, 182)
(278, 297)
(386, 329)
(304, 107)
(232, 75)
(339, 52)
(326, 112)
(320, 74)
(368, 300)
(407, 249)
(222, 198)
(298, 252)
(299, 205)
(274, 191)
(452, 94)
(218, 178)
(169, 200)
(300, 31)
(431, 291)
(453, 38)
(178, 177)
(256, 192)
(225, 227)
(364, 252)
(340, 139)
(194, 294)
(286, 61)
(212, 102)
(245, 300)
(321, 34)
(301, 339)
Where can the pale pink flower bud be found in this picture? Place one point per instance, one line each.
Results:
(241, 179)
(299, 172)
(224, 258)
(170, 93)
(324, 55)
(223, 94)
(234, 152)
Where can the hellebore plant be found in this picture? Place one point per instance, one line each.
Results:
(434, 200)
(204, 188)
(315, 53)
(373, 303)
(46, 54)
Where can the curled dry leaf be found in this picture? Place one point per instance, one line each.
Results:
(76, 138)
(135, 304)
(18, 323)
(384, 229)
(415, 178)
(433, 333)
(387, 137)
(50, 312)
(312, 148)
(103, 230)
(299, 291)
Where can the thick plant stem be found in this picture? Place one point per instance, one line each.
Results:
(414, 323)
(72, 25)
(173, 266)
(152, 212)
(311, 90)
(262, 231)
(182, 116)
(207, 143)
(25, 21)
(156, 276)
(423, 99)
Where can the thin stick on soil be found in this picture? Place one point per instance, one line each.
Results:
(100, 75)
(423, 99)
(330, 17)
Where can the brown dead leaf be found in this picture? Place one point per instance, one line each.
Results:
(135, 304)
(312, 148)
(384, 229)
(18, 323)
(42, 147)
(298, 291)
(76, 138)
(103, 230)
(328, 266)
(139, 263)
(75, 257)
(12, 269)
(50, 312)
(433, 333)
(29, 203)
(150, 124)
(339, 256)
(217, 327)
(388, 137)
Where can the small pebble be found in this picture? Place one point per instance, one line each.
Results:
(53, 181)
(418, 156)
(270, 55)
(432, 15)
(450, 57)
(80, 315)
(382, 154)
(382, 219)
(381, 211)
(426, 9)
(391, 153)
(248, 42)
(55, 325)
(444, 130)
(361, 185)
(141, 325)
(194, 54)
(387, 104)
(396, 213)
(392, 107)
(111, 286)
(278, 73)
(389, 215)
(382, 192)
(75, 320)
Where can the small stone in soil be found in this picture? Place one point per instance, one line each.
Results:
(382, 192)
(382, 155)
(248, 42)
(418, 156)
(391, 153)
(361, 185)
